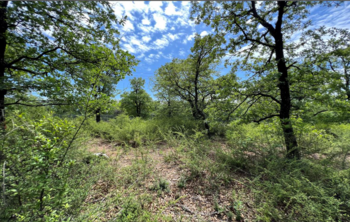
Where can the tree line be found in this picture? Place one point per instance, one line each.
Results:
(59, 50)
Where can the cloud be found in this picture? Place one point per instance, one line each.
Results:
(169, 56)
(139, 44)
(170, 10)
(161, 43)
(141, 56)
(161, 21)
(156, 6)
(128, 26)
(128, 8)
(145, 29)
(173, 37)
(129, 48)
(146, 38)
(189, 38)
(134, 44)
(152, 58)
(204, 33)
(145, 21)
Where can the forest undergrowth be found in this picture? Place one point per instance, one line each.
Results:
(171, 171)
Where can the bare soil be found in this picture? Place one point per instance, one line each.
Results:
(195, 201)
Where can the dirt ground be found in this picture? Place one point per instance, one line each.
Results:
(197, 201)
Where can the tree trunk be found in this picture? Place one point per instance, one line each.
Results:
(138, 109)
(98, 115)
(169, 109)
(206, 125)
(3, 43)
(293, 152)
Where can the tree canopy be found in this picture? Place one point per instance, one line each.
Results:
(264, 45)
(41, 43)
(136, 102)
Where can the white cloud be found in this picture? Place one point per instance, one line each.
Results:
(172, 28)
(155, 6)
(149, 60)
(186, 4)
(146, 29)
(128, 26)
(161, 43)
(173, 37)
(189, 38)
(118, 8)
(170, 10)
(129, 48)
(145, 21)
(138, 44)
(204, 33)
(152, 58)
(146, 38)
(156, 56)
(169, 56)
(127, 7)
(141, 56)
(161, 21)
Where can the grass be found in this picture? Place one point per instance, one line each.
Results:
(178, 174)
(237, 188)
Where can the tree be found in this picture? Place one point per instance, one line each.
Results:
(227, 98)
(110, 71)
(257, 33)
(136, 102)
(328, 51)
(41, 41)
(191, 79)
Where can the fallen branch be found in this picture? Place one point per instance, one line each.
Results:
(185, 208)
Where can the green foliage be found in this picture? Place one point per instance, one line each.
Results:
(60, 39)
(132, 211)
(305, 190)
(124, 129)
(137, 102)
(191, 79)
(302, 191)
(160, 185)
(62, 56)
(181, 183)
(37, 173)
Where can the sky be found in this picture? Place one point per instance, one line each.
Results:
(156, 32)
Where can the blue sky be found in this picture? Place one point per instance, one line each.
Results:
(156, 32)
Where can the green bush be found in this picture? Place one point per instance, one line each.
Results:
(124, 129)
(312, 189)
(302, 191)
(36, 170)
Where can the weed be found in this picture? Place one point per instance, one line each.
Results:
(181, 183)
(161, 185)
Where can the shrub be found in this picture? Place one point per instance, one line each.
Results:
(36, 169)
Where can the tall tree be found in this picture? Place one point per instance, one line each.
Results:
(192, 79)
(110, 71)
(259, 32)
(136, 102)
(39, 41)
